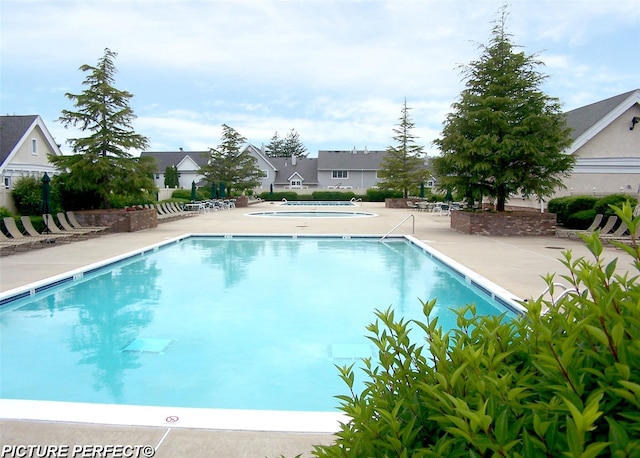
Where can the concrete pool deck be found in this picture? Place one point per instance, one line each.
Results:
(514, 263)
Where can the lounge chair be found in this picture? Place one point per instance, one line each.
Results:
(595, 224)
(62, 219)
(45, 237)
(54, 229)
(16, 234)
(75, 223)
(609, 225)
(11, 245)
(618, 233)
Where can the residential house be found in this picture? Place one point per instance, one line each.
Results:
(607, 146)
(355, 169)
(25, 143)
(187, 163)
(606, 143)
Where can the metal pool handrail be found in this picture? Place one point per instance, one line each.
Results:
(413, 229)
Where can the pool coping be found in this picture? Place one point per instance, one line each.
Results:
(222, 419)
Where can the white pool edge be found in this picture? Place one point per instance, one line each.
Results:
(174, 417)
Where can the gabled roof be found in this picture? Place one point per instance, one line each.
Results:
(166, 159)
(589, 120)
(306, 167)
(350, 160)
(15, 129)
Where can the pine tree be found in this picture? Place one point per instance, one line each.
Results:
(402, 168)
(287, 147)
(171, 177)
(505, 137)
(101, 163)
(232, 165)
(292, 145)
(275, 146)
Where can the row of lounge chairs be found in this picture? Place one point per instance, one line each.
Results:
(611, 231)
(169, 211)
(65, 230)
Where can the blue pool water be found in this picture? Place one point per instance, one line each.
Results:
(312, 214)
(220, 322)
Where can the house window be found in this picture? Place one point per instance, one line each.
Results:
(157, 176)
(34, 146)
(7, 182)
(430, 184)
(340, 174)
(265, 173)
(296, 183)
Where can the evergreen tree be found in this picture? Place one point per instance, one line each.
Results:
(171, 178)
(292, 145)
(101, 164)
(275, 146)
(232, 165)
(287, 147)
(505, 137)
(402, 168)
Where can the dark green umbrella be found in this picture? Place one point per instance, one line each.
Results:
(449, 196)
(213, 190)
(193, 191)
(45, 202)
(271, 189)
(422, 189)
(221, 189)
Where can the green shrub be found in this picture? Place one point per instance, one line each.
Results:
(27, 195)
(581, 219)
(379, 195)
(561, 383)
(4, 212)
(564, 207)
(333, 195)
(579, 203)
(276, 196)
(603, 205)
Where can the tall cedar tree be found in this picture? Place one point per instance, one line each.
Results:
(402, 168)
(101, 164)
(505, 137)
(275, 146)
(231, 165)
(287, 147)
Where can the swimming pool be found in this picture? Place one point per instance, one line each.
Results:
(319, 203)
(219, 307)
(311, 214)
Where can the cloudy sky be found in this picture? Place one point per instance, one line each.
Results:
(335, 71)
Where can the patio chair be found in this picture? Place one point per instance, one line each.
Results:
(75, 223)
(609, 225)
(16, 234)
(618, 233)
(11, 245)
(54, 229)
(45, 237)
(62, 219)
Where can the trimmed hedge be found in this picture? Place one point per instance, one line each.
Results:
(566, 208)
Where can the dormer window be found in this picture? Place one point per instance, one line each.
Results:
(34, 146)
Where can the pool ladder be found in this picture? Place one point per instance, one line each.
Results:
(413, 228)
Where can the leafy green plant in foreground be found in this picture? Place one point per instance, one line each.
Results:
(560, 380)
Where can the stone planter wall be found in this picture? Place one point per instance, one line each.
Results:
(242, 201)
(119, 220)
(398, 203)
(504, 223)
